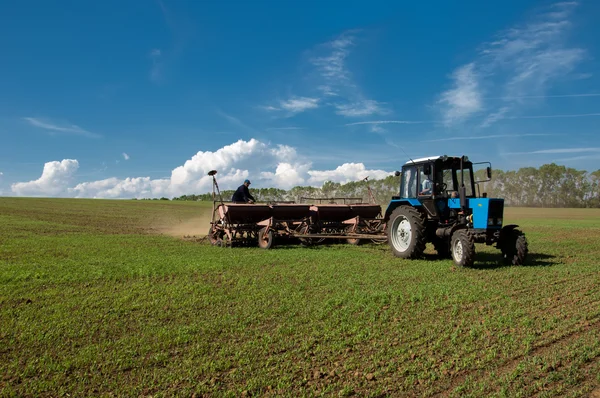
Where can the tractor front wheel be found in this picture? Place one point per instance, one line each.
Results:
(514, 247)
(462, 248)
(406, 232)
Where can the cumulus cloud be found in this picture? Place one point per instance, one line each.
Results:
(125, 156)
(345, 173)
(54, 181)
(267, 165)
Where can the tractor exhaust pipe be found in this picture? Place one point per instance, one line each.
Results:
(462, 191)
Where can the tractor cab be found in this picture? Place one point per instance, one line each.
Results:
(439, 202)
(438, 177)
(440, 184)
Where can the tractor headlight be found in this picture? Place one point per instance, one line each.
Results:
(490, 221)
(499, 222)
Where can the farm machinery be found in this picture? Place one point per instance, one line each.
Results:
(307, 223)
(439, 202)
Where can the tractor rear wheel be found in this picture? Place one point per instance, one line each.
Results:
(462, 248)
(514, 248)
(406, 232)
(265, 238)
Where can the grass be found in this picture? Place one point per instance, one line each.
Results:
(95, 301)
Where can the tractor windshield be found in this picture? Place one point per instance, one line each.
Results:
(449, 175)
(467, 176)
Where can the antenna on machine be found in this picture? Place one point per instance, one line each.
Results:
(212, 173)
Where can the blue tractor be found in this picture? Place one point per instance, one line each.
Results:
(439, 204)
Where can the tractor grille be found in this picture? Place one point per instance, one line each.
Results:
(496, 208)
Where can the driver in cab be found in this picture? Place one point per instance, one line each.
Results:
(426, 186)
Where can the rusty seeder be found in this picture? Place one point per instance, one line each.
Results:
(307, 223)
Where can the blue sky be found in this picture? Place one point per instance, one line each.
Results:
(122, 99)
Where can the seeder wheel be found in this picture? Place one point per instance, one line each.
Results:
(215, 237)
(265, 238)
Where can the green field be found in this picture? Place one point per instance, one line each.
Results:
(102, 297)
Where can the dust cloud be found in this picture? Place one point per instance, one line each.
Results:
(197, 226)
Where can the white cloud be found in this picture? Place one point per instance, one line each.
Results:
(523, 62)
(332, 83)
(487, 137)
(54, 181)
(299, 104)
(284, 128)
(377, 129)
(125, 156)
(293, 105)
(332, 65)
(555, 151)
(61, 128)
(554, 116)
(286, 175)
(116, 188)
(387, 122)
(360, 108)
(464, 99)
(265, 164)
(494, 117)
(336, 79)
(546, 96)
(345, 173)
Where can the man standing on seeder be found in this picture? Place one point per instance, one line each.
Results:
(242, 194)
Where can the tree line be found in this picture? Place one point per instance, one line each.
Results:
(550, 185)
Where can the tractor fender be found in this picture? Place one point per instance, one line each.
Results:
(506, 229)
(401, 202)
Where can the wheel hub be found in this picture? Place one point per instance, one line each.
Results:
(458, 250)
(402, 235)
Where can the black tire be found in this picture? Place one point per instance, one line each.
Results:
(514, 248)
(215, 238)
(442, 247)
(406, 232)
(265, 238)
(462, 248)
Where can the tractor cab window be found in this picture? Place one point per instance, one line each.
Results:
(468, 185)
(408, 189)
(448, 182)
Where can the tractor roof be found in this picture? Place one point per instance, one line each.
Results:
(427, 159)
(431, 158)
